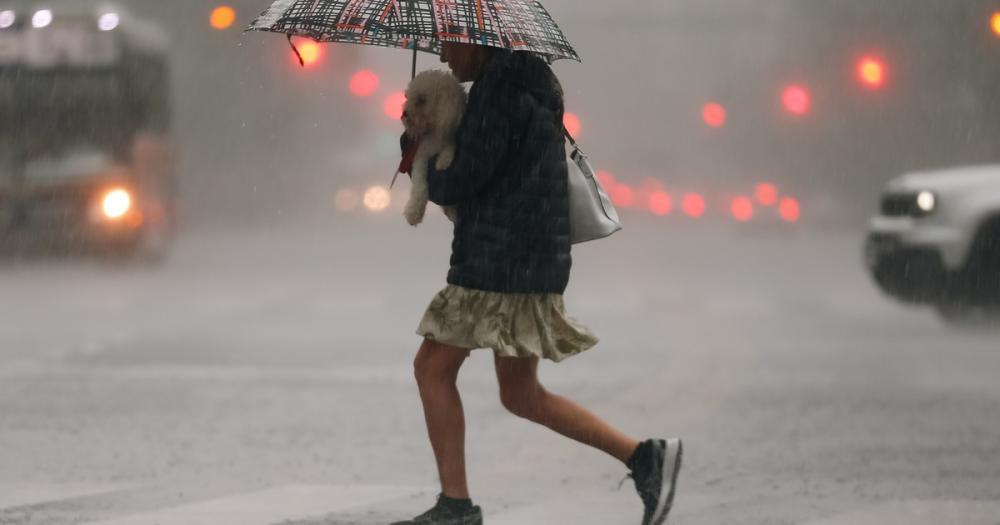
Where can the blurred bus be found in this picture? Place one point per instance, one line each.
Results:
(86, 154)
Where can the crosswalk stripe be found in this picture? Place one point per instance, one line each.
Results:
(24, 494)
(267, 507)
(921, 512)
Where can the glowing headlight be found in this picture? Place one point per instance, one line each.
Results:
(7, 19)
(42, 18)
(108, 22)
(926, 201)
(116, 203)
(377, 198)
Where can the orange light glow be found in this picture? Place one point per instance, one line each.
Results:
(364, 83)
(116, 203)
(377, 198)
(714, 115)
(766, 194)
(393, 106)
(222, 18)
(135, 220)
(796, 100)
(310, 50)
(789, 209)
(871, 72)
(572, 123)
(660, 203)
(996, 23)
(693, 205)
(742, 209)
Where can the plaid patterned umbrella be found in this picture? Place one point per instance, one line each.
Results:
(519, 25)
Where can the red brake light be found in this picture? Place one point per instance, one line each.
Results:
(693, 205)
(789, 209)
(742, 209)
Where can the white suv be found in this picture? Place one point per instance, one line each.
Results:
(936, 240)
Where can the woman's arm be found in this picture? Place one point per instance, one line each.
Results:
(481, 144)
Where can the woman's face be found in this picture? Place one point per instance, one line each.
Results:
(465, 60)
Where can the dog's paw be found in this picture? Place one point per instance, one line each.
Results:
(414, 212)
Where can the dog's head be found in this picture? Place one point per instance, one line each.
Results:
(435, 102)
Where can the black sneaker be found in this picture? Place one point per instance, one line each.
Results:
(448, 512)
(655, 464)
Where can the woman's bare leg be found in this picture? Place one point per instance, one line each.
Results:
(524, 396)
(436, 367)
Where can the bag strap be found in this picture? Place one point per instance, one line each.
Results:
(570, 137)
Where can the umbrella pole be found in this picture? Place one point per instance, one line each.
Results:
(413, 71)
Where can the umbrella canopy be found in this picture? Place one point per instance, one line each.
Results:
(518, 25)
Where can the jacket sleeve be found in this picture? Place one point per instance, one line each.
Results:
(481, 145)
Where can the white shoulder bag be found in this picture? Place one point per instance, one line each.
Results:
(591, 214)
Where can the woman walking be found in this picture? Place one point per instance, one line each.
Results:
(510, 265)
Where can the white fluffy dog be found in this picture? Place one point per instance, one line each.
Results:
(435, 102)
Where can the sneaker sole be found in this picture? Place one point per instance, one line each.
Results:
(672, 461)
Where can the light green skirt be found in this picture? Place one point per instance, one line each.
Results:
(513, 325)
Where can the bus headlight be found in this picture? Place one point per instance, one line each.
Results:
(7, 18)
(926, 202)
(116, 203)
(108, 22)
(42, 18)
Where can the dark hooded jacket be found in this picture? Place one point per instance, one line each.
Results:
(509, 181)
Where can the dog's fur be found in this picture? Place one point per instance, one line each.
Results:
(435, 103)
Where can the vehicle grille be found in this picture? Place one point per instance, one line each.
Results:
(64, 212)
(900, 205)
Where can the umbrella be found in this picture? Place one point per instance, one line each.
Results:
(421, 25)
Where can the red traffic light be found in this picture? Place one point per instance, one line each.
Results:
(871, 72)
(606, 180)
(572, 123)
(660, 203)
(714, 115)
(766, 194)
(622, 196)
(393, 106)
(796, 99)
(364, 83)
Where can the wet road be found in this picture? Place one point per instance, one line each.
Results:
(264, 377)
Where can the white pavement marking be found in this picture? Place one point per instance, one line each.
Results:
(267, 507)
(597, 508)
(24, 494)
(921, 513)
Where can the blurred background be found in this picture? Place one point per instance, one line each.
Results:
(244, 335)
(824, 101)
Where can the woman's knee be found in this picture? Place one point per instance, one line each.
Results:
(522, 396)
(437, 363)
